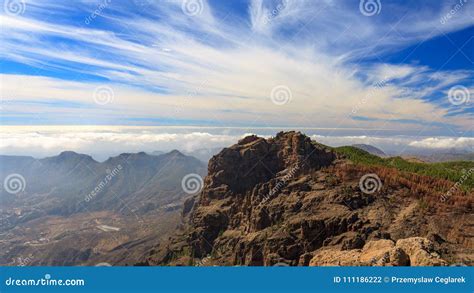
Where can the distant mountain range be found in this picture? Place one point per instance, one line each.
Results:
(129, 188)
(444, 156)
(282, 200)
(203, 154)
(69, 179)
(370, 149)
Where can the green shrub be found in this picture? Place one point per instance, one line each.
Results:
(452, 171)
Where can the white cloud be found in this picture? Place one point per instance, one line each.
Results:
(210, 68)
(401, 144)
(465, 143)
(104, 141)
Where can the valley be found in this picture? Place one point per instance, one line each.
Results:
(72, 210)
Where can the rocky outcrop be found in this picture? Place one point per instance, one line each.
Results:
(256, 160)
(421, 251)
(287, 199)
(414, 251)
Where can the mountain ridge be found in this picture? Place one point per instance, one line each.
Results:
(371, 149)
(289, 200)
(79, 211)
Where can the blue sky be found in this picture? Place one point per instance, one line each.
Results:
(373, 65)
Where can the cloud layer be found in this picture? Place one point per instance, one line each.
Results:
(104, 141)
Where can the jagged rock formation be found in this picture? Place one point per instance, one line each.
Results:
(290, 200)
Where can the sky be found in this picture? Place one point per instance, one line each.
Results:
(345, 69)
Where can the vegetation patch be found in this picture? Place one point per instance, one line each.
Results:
(452, 171)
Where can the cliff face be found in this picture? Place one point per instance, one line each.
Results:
(243, 179)
(256, 161)
(290, 201)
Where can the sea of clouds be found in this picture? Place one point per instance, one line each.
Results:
(102, 142)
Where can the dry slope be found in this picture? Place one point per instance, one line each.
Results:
(290, 200)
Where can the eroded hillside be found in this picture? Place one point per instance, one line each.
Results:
(289, 200)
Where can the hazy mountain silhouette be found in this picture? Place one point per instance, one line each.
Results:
(370, 149)
(69, 178)
(80, 211)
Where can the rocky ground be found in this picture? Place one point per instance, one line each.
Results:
(288, 200)
(84, 239)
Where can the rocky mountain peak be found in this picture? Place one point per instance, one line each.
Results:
(70, 156)
(175, 153)
(256, 160)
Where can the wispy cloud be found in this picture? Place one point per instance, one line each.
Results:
(220, 67)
